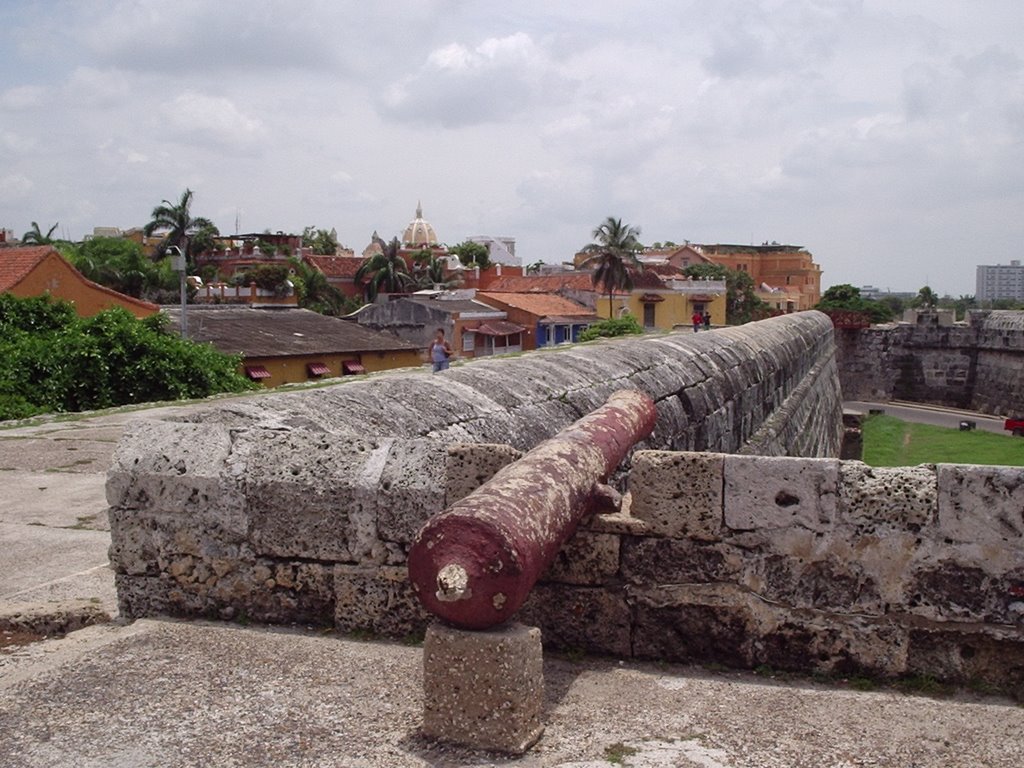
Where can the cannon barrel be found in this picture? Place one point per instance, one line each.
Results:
(475, 563)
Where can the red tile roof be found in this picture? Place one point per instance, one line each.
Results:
(16, 263)
(539, 304)
(335, 266)
(576, 281)
(648, 279)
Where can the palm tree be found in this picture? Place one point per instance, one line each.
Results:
(925, 299)
(385, 271)
(613, 256)
(315, 292)
(183, 230)
(35, 235)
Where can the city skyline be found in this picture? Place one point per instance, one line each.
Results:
(886, 139)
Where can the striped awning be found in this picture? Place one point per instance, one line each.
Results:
(317, 369)
(352, 366)
(256, 372)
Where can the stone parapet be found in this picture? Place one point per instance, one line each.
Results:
(205, 510)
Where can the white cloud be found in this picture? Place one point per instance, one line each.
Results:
(23, 97)
(212, 121)
(16, 143)
(15, 187)
(501, 79)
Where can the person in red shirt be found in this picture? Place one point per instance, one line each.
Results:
(697, 320)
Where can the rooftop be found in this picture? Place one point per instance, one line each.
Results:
(281, 332)
(16, 263)
(452, 305)
(574, 281)
(335, 266)
(540, 304)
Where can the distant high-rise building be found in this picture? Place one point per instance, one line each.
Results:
(1000, 281)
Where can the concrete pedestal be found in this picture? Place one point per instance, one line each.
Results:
(484, 689)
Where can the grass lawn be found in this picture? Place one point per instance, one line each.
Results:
(889, 442)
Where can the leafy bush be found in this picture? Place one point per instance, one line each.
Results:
(52, 360)
(269, 277)
(616, 326)
(846, 296)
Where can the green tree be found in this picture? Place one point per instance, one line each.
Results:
(53, 360)
(613, 256)
(320, 241)
(269, 277)
(895, 305)
(384, 272)
(612, 326)
(847, 297)
(472, 254)
(741, 302)
(35, 235)
(534, 269)
(181, 228)
(316, 293)
(120, 264)
(925, 299)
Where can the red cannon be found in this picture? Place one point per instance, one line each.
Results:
(474, 564)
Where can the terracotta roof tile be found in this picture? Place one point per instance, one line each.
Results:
(577, 281)
(336, 266)
(539, 304)
(16, 263)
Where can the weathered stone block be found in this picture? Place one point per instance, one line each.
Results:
(178, 468)
(969, 654)
(193, 588)
(470, 465)
(828, 583)
(677, 561)
(302, 494)
(900, 497)
(586, 558)
(965, 591)
(775, 492)
(412, 488)
(379, 600)
(678, 494)
(146, 542)
(484, 689)
(591, 619)
(726, 624)
(981, 504)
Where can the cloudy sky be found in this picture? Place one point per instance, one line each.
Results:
(887, 136)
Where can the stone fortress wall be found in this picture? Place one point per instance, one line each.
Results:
(300, 507)
(978, 365)
(250, 507)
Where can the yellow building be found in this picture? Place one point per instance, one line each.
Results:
(284, 346)
(667, 303)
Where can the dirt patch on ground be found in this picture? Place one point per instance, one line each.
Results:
(15, 638)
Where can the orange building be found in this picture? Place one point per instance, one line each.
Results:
(547, 319)
(40, 270)
(786, 271)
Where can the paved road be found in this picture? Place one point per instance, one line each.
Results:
(932, 414)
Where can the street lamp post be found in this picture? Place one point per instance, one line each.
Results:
(180, 265)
